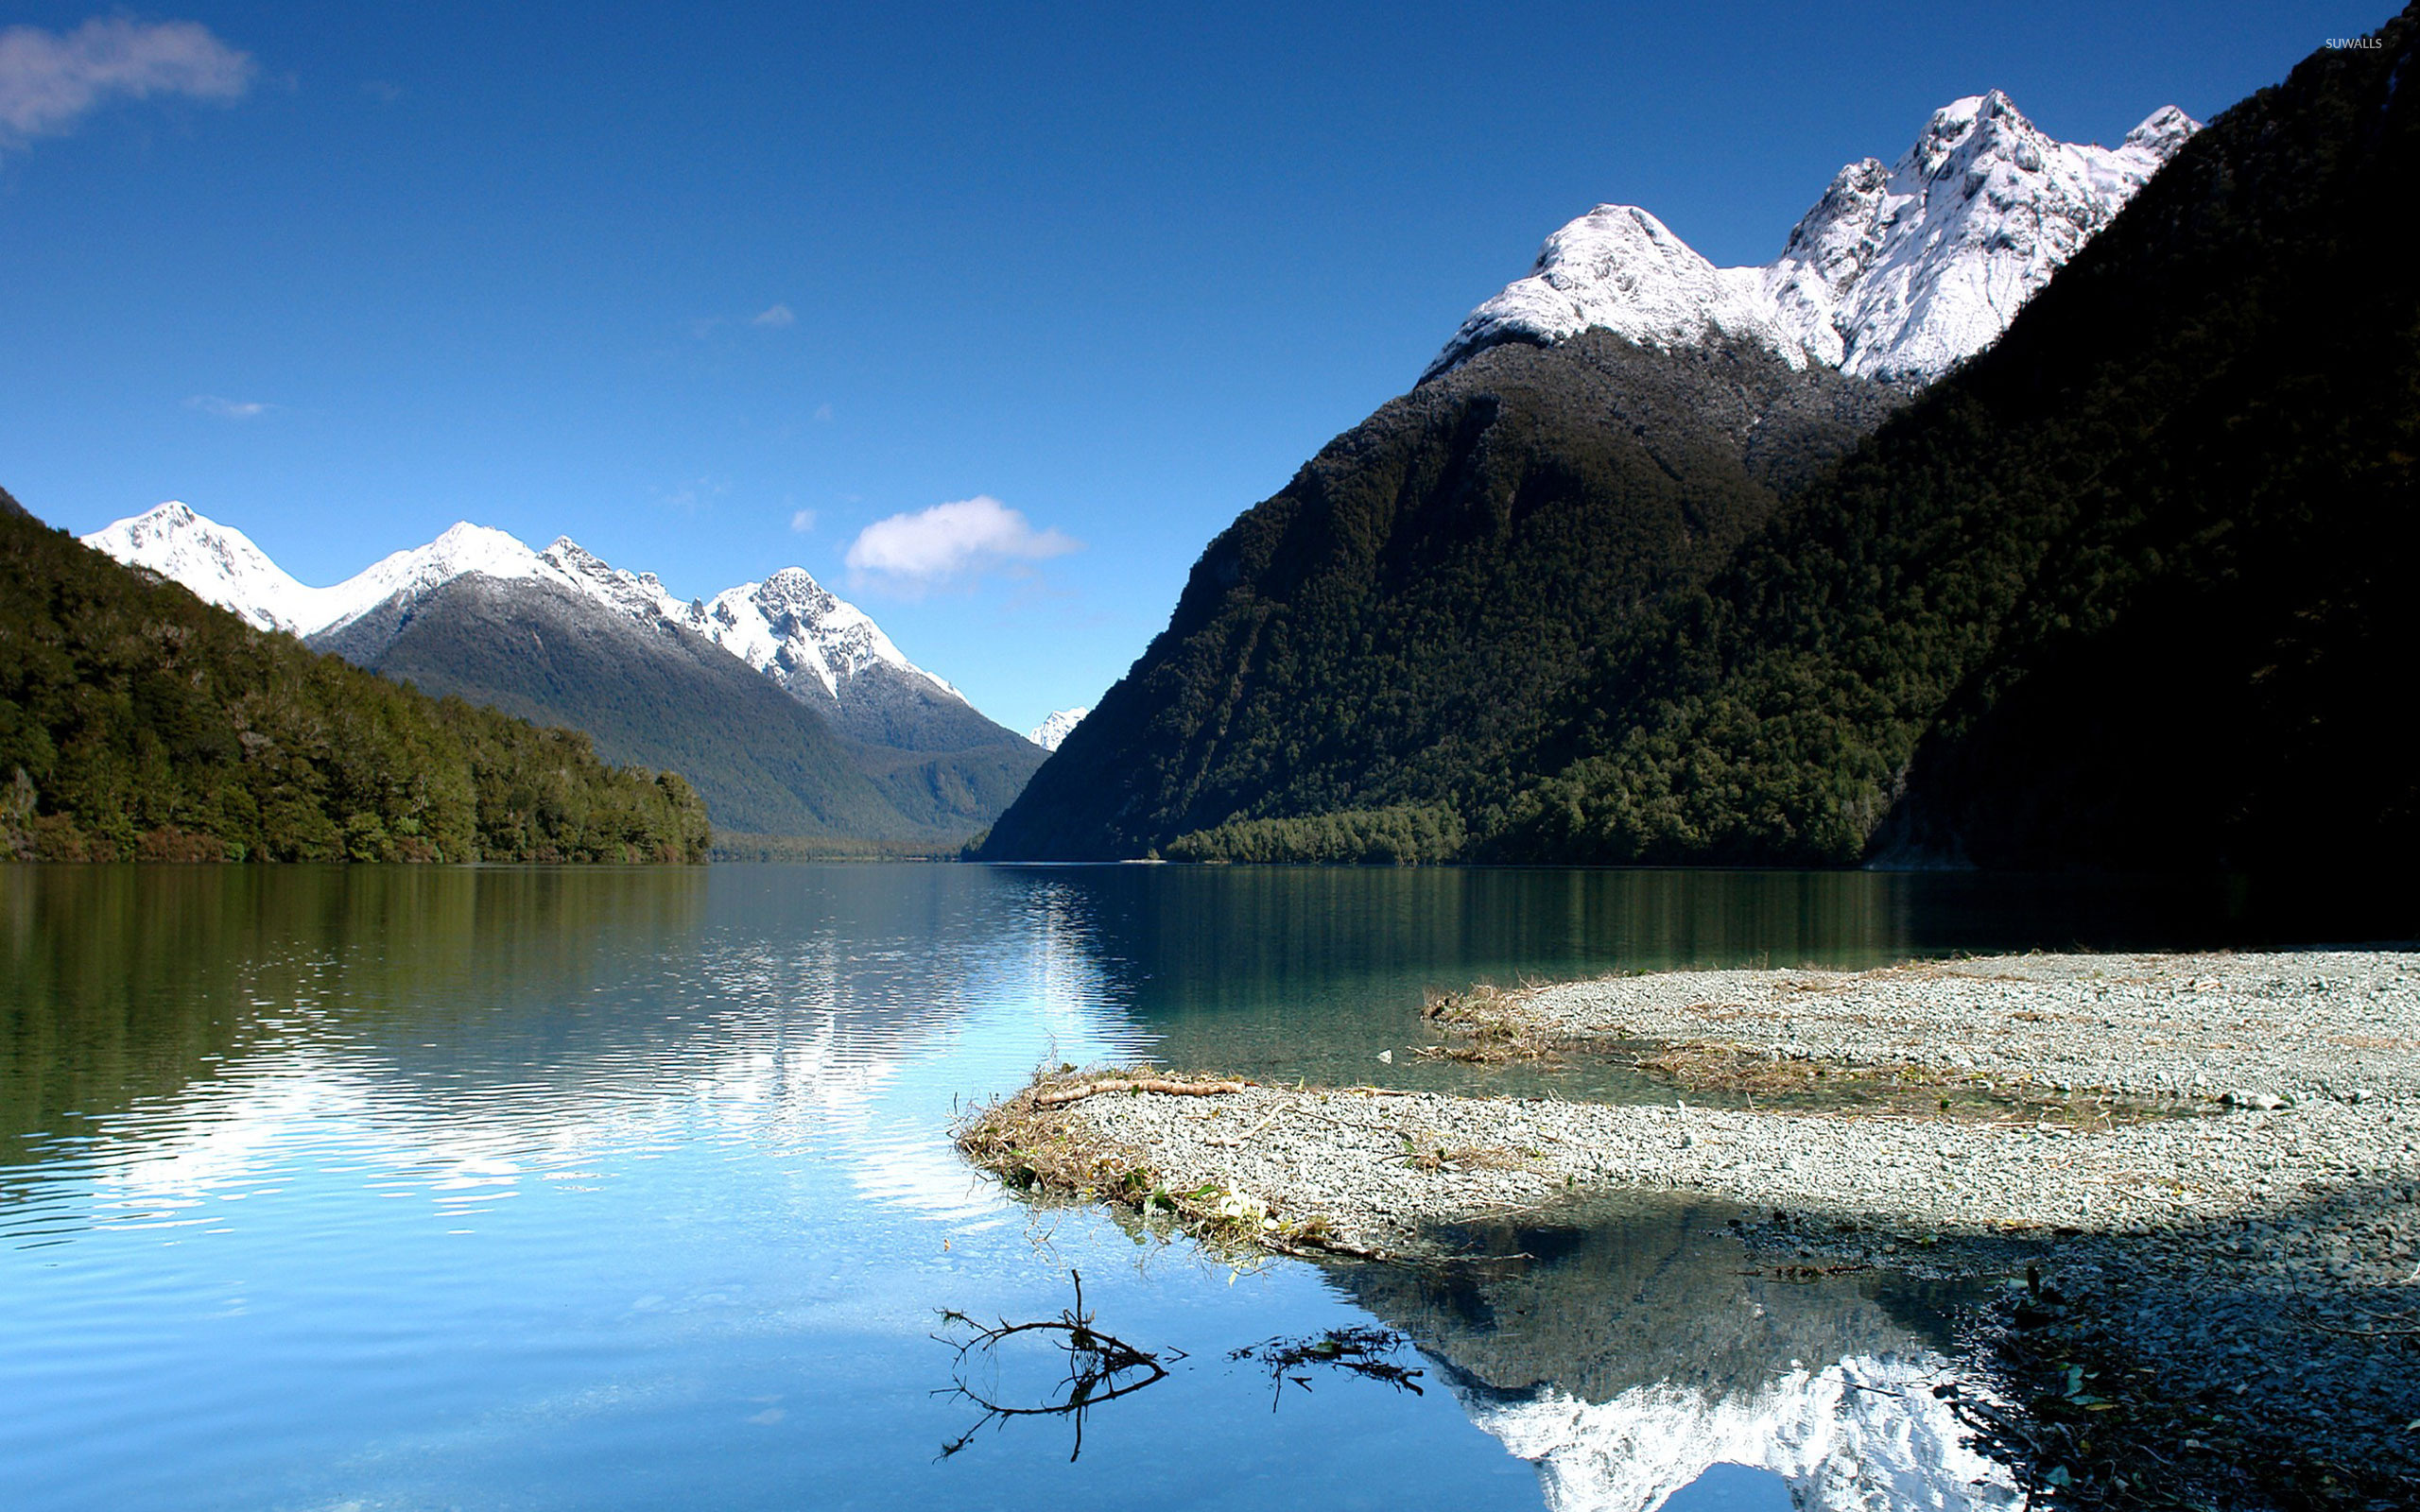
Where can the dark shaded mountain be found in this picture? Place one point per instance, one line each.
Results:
(2126, 589)
(2131, 588)
(1385, 636)
(138, 722)
(765, 762)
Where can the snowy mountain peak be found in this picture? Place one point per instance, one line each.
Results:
(641, 595)
(1897, 273)
(2162, 132)
(464, 548)
(1054, 730)
(798, 632)
(821, 647)
(218, 563)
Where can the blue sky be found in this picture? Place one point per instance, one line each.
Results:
(714, 293)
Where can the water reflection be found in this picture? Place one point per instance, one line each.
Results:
(596, 1188)
(1629, 1352)
(178, 1032)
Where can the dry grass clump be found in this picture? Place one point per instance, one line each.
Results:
(1895, 1087)
(1427, 1151)
(1037, 1142)
(1489, 1027)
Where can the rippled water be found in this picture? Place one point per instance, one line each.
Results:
(411, 1186)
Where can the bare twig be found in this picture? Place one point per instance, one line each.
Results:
(1100, 1368)
(1245, 1137)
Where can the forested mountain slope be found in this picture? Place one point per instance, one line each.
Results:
(2131, 588)
(765, 763)
(2127, 588)
(1387, 631)
(138, 722)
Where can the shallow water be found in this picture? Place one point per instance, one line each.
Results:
(415, 1187)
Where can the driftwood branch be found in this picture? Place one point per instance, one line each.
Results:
(1100, 1368)
(1062, 1096)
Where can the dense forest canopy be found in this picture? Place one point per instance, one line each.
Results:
(1392, 631)
(137, 722)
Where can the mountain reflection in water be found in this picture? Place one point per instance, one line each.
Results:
(1627, 1350)
(626, 1187)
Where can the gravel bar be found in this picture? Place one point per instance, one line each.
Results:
(2304, 1025)
(2314, 1057)
(2246, 1262)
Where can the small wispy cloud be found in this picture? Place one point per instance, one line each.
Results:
(775, 318)
(692, 496)
(950, 540)
(823, 414)
(803, 522)
(229, 408)
(51, 81)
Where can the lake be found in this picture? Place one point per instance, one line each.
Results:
(392, 1187)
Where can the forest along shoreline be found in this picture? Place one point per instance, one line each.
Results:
(2204, 1163)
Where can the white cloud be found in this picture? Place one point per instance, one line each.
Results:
(51, 81)
(803, 522)
(823, 415)
(229, 408)
(776, 317)
(949, 541)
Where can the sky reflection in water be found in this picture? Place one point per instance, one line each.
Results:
(404, 1187)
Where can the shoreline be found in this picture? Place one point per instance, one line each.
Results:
(2234, 1244)
(2224, 1088)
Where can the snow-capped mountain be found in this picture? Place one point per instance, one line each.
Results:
(1897, 273)
(223, 565)
(1056, 728)
(830, 655)
(219, 562)
(825, 652)
(821, 649)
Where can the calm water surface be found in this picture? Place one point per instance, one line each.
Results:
(381, 1187)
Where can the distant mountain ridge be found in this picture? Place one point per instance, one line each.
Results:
(821, 649)
(1897, 273)
(789, 708)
